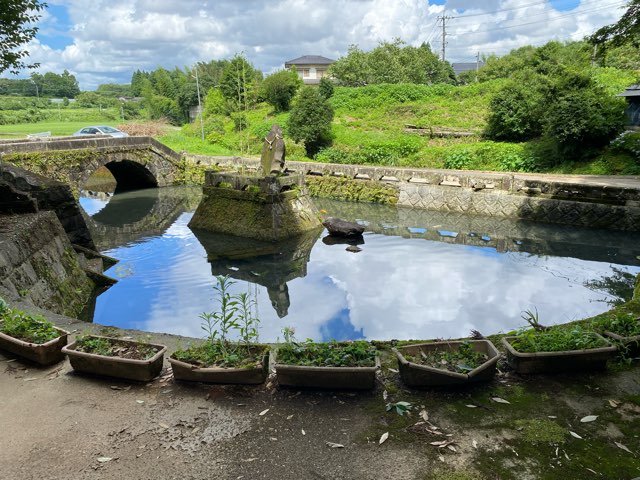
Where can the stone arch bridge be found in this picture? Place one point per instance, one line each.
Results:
(135, 162)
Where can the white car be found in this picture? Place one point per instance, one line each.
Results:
(100, 130)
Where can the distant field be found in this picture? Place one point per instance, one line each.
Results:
(56, 128)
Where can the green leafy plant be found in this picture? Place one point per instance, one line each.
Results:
(462, 359)
(399, 407)
(235, 315)
(623, 324)
(24, 326)
(556, 339)
(112, 347)
(331, 354)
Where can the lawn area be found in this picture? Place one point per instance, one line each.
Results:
(57, 128)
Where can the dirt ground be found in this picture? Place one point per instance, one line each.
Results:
(56, 424)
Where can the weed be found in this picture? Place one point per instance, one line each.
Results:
(24, 326)
(332, 354)
(111, 347)
(461, 359)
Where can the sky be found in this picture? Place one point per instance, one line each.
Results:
(104, 41)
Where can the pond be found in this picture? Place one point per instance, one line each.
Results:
(419, 275)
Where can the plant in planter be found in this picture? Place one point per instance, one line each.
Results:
(447, 363)
(350, 365)
(30, 336)
(114, 357)
(556, 349)
(217, 359)
(623, 328)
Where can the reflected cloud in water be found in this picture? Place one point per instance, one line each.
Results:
(399, 287)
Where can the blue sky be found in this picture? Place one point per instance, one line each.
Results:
(106, 40)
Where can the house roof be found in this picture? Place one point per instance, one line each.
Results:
(632, 91)
(460, 67)
(309, 60)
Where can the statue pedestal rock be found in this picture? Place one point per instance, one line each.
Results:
(270, 207)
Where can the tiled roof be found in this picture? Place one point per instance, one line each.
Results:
(632, 91)
(460, 67)
(309, 60)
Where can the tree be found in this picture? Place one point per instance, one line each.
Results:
(310, 120)
(238, 82)
(625, 30)
(279, 88)
(16, 17)
(325, 88)
(352, 70)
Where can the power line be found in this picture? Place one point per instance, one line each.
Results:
(444, 19)
(582, 3)
(548, 19)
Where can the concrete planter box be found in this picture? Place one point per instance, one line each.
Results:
(187, 372)
(129, 369)
(335, 378)
(555, 362)
(417, 375)
(41, 353)
(631, 344)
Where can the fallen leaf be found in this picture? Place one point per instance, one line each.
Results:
(566, 456)
(273, 439)
(424, 415)
(592, 471)
(574, 434)
(303, 432)
(104, 459)
(289, 417)
(393, 370)
(440, 443)
(475, 444)
(551, 416)
(588, 418)
(334, 445)
(500, 400)
(614, 403)
(140, 401)
(30, 379)
(471, 406)
(164, 425)
(385, 395)
(264, 412)
(452, 448)
(441, 458)
(383, 438)
(619, 445)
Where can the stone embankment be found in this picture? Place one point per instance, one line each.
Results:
(47, 255)
(580, 200)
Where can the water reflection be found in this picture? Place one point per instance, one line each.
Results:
(271, 265)
(419, 274)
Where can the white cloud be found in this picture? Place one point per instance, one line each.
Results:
(112, 38)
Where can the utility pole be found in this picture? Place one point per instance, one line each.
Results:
(199, 103)
(444, 19)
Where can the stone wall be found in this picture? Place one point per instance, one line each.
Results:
(24, 191)
(593, 201)
(39, 264)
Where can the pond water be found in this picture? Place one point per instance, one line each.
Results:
(419, 275)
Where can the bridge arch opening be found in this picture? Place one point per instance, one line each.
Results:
(131, 175)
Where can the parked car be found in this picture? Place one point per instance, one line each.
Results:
(100, 130)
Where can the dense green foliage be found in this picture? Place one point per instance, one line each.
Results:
(279, 88)
(624, 31)
(623, 324)
(17, 28)
(556, 339)
(49, 84)
(310, 120)
(332, 354)
(391, 62)
(239, 83)
(24, 326)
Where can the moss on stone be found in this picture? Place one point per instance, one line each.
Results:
(541, 431)
(451, 474)
(341, 188)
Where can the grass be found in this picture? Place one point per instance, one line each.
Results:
(57, 128)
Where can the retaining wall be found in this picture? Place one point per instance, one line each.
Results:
(581, 200)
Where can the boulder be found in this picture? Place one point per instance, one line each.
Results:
(341, 228)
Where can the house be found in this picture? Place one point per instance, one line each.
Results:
(632, 94)
(310, 68)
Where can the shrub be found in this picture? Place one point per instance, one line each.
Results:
(628, 142)
(279, 89)
(325, 87)
(515, 113)
(310, 120)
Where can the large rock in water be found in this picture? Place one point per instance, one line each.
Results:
(342, 228)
